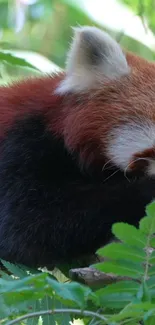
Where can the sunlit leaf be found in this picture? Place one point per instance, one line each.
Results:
(123, 268)
(12, 59)
(129, 234)
(122, 251)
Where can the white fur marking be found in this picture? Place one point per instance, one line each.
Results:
(128, 140)
(94, 57)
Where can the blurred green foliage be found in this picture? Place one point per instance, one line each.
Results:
(144, 9)
(44, 26)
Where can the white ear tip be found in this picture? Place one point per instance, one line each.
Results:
(93, 58)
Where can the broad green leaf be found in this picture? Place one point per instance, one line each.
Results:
(14, 269)
(47, 304)
(73, 291)
(142, 306)
(152, 242)
(123, 268)
(150, 210)
(150, 320)
(121, 286)
(60, 319)
(152, 258)
(129, 234)
(147, 315)
(5, 276)
(151, 282)
(122, 251)
(27, 289)
(14, 60)
(151, 271)
(123, 315)
(147, 224)
(5, 310)
(143, 293)
(34, 307)
(115, 300)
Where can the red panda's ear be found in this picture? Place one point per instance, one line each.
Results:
(93, 58)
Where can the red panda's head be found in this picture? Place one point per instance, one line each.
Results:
(112, 116)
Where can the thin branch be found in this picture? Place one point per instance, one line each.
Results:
(85, 313)
(93, 277)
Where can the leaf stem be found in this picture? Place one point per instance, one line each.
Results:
(85, 313)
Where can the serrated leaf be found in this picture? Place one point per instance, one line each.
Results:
(152, 258)
(147, 225)
(152, 242)
(27, 289)
(151, 271)
(35, 306)
(5, 310)
(150, 210)
(122, 251)
(151, 282)
(129, 234)
(14, 269)
(61, 319)
(121, 286)
(73, 291)
(151, 319)
(123, 268)
(5, 276)
(144, 294)
(115, 300)
(14, 60)
(142, 306)
(123, 315)
(47, 304)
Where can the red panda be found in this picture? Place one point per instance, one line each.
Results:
(98, 113)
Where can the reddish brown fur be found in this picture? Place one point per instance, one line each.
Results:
(84, 120)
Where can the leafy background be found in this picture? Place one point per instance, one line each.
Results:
(40, 30)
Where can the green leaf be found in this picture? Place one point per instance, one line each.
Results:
(152, 242)
(147, 224)
(60, 319)
(151, 282)
(5, 276)
(151, 319)
(127, 315)
(47, 304)
(122, 251)
(115, 293)
(14, 269)
(129, 234)
(73, 291)
(123, 268)
(35, 306)
(150, 210)
(151, 271)
(24, 290)
(14, 60)
(152, 258)
(121, 286)
(115, 300)
(144, 294)
(5, 310)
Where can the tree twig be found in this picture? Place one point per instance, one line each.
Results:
(93, 277)
(85, 313)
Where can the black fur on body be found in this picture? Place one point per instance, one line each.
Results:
(50, 211)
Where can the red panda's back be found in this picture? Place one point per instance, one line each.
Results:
(31, 96)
